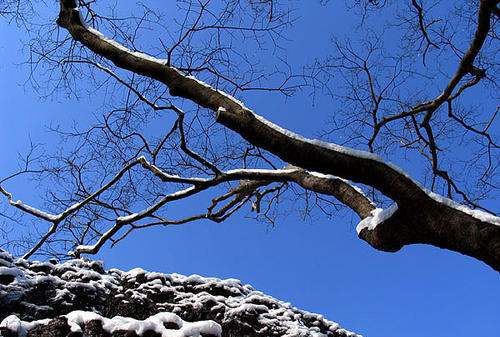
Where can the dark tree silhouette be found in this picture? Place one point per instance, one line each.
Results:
(120, 175)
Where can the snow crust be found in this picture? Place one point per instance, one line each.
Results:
(156, 323)
(179, 306)
(78, 319)
(14, 272)
(14, 324)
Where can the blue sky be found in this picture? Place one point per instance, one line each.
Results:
(318, 265)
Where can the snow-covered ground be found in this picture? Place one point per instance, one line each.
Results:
(80, 297)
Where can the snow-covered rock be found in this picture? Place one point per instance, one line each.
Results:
(80, 298)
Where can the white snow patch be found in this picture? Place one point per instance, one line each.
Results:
(14, 272)
(126, 218)
(191, 293)
(475, 213)
(317, 142)
(35, 211)
(13, 323)
(378, 216)
(133, 273)
(5, 256)
(77, 319)
(119, 45)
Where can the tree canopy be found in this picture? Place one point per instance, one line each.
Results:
(178, 123)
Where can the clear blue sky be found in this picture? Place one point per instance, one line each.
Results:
(320, 266)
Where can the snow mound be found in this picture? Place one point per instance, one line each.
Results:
(80, 298)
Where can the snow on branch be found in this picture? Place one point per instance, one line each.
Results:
(446, 224)
(377, 216)
(56, 219)
(340, 189)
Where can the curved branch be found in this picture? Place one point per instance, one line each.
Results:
(334, 186)
(469, 232)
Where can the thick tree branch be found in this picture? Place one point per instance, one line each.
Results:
(350, 164)
(420, 217)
